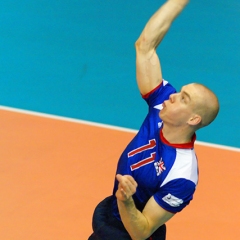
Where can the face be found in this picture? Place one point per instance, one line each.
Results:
(179, 108)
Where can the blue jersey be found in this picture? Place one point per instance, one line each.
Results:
(168, 172)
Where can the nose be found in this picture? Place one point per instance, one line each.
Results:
(172, 97)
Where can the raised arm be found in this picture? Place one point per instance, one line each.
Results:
(149, 74)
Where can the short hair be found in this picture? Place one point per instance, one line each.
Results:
(207, 105)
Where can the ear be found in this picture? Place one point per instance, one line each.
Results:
(194, 120)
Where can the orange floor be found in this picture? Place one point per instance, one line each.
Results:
(54, 172)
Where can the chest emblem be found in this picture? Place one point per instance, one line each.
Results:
(159, 166)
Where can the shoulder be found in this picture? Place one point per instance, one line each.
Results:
(179, 184)
(185, 166)
(159, 93)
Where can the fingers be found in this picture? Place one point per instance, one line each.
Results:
(126, 178)
(127, 186)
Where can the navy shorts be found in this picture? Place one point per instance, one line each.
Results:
(107, 227)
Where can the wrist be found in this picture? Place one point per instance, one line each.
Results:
(180, 3)
(127, 201)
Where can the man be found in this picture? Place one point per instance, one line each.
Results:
(157, 173)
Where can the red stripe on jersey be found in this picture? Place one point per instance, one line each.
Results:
(143, 162)
(153, 90)
(188, 145)
(150, 145)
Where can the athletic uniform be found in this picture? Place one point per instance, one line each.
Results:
(168, 172)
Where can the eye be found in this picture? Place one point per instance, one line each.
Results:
(182, 98)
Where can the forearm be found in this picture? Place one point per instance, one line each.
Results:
(134, 221)
(159, 23)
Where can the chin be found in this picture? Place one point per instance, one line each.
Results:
(161, 114)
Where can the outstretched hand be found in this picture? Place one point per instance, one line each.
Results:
(127, 186)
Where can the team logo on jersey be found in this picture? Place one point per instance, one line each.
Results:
(159, 167)
(172, 200)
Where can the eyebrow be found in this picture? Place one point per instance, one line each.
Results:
(185, 93)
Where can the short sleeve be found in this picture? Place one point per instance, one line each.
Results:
(159, 94)
(175, 195)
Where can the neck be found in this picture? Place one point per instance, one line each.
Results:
(177, 135)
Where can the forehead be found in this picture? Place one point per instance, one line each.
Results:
(191, 89)
(187, 87)
(195, 91)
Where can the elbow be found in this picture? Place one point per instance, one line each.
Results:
(145, 233)
(143, 45)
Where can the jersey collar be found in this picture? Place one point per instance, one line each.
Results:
(176, 145)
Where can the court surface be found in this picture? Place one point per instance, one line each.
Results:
(55, 170)
(76, 59)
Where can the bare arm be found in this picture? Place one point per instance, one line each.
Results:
(149, 74)
(140, 225)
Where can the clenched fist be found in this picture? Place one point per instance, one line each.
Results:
(126, 187)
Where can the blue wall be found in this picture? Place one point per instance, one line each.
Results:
(77, 59)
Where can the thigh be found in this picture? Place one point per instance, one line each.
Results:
(105, 225)
(159, 234)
